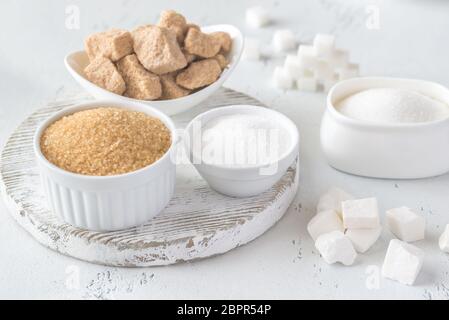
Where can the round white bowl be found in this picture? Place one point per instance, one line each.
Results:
(242, 181)
(76, 62)
(396, 151)
(107, 203)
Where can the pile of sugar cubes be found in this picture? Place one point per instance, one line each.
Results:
(317, 66)
(320, 65)
(345, 226)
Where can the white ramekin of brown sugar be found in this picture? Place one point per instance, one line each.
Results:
(107, 202)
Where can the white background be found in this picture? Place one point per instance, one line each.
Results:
(412, 41)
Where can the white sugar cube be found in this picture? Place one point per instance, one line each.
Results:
(257, 17)
(282, 79)
(360, 214)
(406, 224)
(294, 66)
(336, 247)
(347, 72)
(284, 40)
(323, 70)
(251, 50)
(444, 240)
(306, 51)
(324, 44)
(307, 83)
(307, 56)
(338, 59)
(324, 222)
(332, 199)
(363, 239)
(402, 262)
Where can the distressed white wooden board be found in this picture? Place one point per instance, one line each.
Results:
(197, 223)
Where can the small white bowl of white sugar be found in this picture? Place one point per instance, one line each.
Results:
(242, 150)
(387, 128)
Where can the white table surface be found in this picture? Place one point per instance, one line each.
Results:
(411, 42)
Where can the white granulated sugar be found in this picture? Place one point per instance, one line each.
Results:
(391, 105)
(241, 140)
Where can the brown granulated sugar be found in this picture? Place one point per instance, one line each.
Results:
(105, 141)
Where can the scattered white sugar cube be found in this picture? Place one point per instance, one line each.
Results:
(282, 79)
(444, 240)
(324, 222)
(402, 262)
(284, 40)
(363, 239)
(324, 44)
(336, 247)
(360, 214)
(307, 84)
(338, 59)
(257, 17)
(406, 224)
(332, 199)
(251, 50)
(347, 72)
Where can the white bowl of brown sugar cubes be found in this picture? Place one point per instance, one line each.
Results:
(171, 66)
(106, 165)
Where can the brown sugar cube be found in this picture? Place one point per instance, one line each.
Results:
(157, 49)
(222, 61)
(199, 74)
(189, 57)
(224, 39)
(201, 44)
(140, 83)
(170, 89)
(174, 21)
(113, 44)
(103, 73)
(193, 25)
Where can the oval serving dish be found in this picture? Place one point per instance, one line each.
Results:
(76, 62)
